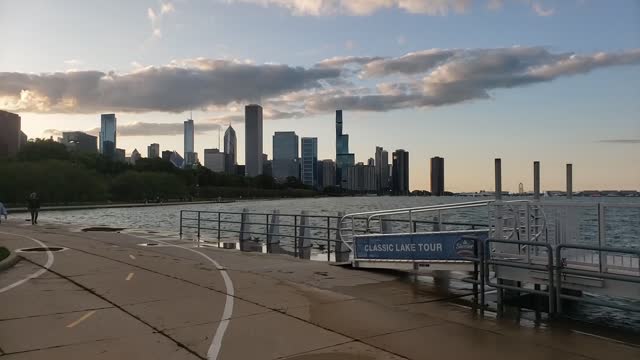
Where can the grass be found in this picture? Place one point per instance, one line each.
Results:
(4, 253)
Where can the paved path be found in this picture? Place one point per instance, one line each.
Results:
(106, 297)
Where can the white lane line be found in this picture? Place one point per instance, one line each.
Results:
(132, 257)
(129, 277)
(35, 274)
(216, 344)
(82, 318)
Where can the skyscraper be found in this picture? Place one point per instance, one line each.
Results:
(344, 159)
(361, 178)
(108, 126)
(285, 155)
(382, 169)
(400, 177)
(253, 139)
(231, 148)
(153, 151)
(135, 156)
(328, 173)
(309, 161)
(190, 158)
(437, 176)
(10, 134)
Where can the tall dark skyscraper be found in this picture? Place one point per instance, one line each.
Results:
(285, 155)
(107, 144)
(344, 159)
(231, 149)
(309, 161)
(253, 139)
(382, 169)
(190, 156)
(400, 177)
(437, 176)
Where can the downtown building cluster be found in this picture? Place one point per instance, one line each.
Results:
(294, 158)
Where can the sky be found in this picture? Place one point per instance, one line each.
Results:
(523, 80)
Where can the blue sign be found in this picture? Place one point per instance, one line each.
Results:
(447, 245)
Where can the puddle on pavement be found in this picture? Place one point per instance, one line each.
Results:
(102, 229)
(41, 249)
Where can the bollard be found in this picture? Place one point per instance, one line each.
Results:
(304, 249)
(341, 249)
(273, 238)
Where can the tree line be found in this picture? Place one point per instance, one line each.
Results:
(61, 176)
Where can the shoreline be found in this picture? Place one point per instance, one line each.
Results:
(115, 206)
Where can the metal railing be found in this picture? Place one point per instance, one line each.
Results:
(601, 273)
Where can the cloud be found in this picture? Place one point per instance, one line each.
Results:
(156, 17)
(368, 7)
(180, 86)
(621, 141)
(73, 62)
(537, 7)
(426, 78)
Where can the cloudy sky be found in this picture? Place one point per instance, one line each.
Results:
(469, 80)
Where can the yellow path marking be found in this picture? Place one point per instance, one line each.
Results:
(83, 318)
(129, 276)
(132, 257)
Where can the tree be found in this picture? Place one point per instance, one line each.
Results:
(41, 149)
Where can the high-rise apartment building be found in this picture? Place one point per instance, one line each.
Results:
(107, 142)
(437, 176)
(361, 178)
(327, 175)
(153, 151)
(400, 177)
(382, 169)
(285, 155)
(253, 139)
(10, 124)
(309, 161)
(344, 159)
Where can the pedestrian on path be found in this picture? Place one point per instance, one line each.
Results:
(3, 211)
(34, 207)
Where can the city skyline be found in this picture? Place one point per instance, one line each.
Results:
(558, 86)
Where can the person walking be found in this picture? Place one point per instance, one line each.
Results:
(34, 207)
(3, 211)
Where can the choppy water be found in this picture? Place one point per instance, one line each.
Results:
(622, 227)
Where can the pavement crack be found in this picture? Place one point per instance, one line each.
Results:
(91, 291)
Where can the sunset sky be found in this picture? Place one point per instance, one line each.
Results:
(524, 80)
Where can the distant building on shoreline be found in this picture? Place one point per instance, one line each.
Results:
(400, 177)
(10, 134)
(107, 143)
(344, 159)
(79, 142)
(437, 176)
(309, 161)
(153, 151)
(286, 162)
(231, 149)
(253, 140)
(215, 160)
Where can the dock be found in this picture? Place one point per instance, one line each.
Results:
(141, 295)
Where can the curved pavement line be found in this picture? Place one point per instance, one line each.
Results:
(35, 274)
(216, 344)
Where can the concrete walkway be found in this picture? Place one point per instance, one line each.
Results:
(107, 297)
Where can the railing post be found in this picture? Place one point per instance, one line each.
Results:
(181, 211)
(198, 226)
(410, 222)
(219, 231)
(304, 248)
(482, 281)
(602, 237)
(273, 242)
(295, 235)
(268, 235)
(328, 239)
